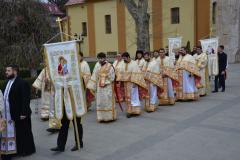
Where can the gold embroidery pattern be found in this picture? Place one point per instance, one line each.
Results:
(133, 77)
(171, 73)
(164, 98)
(154, 78)
(190, 67)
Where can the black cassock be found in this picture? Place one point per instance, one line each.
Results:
(19, 101)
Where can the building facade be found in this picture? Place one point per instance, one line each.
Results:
(107, 26)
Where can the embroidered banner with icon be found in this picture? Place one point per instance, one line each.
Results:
(64, 67)
(210, 47)
(174, 44)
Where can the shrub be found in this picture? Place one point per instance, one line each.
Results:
(30, 82)
(91, 65)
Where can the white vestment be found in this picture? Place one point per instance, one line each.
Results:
(8, 139)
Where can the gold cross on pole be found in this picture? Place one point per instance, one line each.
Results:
(59, 20)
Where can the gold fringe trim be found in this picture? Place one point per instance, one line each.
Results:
(150, 108)
(168, 101)
(189, 96)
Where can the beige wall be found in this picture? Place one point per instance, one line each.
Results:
(105, 42)
(186, 26)
(109, 42)
(78, 14)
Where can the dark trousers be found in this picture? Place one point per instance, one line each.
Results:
(6, 157)
(63, 133)
(220, 80)
(24, 137)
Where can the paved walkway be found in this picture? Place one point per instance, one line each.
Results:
(205, 130)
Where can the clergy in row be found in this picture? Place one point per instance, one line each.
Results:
(188, 76)
(101, 84)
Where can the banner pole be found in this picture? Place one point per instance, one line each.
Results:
(58, 20)
(75, 120)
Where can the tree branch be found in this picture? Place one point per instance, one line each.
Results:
(143, 6)
(132, 8)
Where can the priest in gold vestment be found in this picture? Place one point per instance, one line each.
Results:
(156, 56)
(86, 75)
(202, 61)
(130, 74)
(47, 110)
(139, 59)
(167, 97)
(119, 85)
(117, 61)
(153, 78)
(188, 77)
(101, 83)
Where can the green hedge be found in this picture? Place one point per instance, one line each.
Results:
(2, 82)
(25, 74)
(30, 82)
(91, 65)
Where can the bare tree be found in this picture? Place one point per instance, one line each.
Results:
(60, 4)
(139, 12)
(24, 27)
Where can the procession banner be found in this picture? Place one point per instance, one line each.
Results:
(210, 46)
(174, 44)
(64, 68)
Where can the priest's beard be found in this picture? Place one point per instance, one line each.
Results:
(103, 62)
(183, 54)
(163, 56)
(147, 60)
(10, 76)
(176, 56)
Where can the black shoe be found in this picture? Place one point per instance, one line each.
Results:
(81, 144)
(44, 119)
(52, 130)
(214, 91)
(75, 148)
(128, 115)
(223, 90)
(57, 149)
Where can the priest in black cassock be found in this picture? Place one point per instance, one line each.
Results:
(18, 137)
